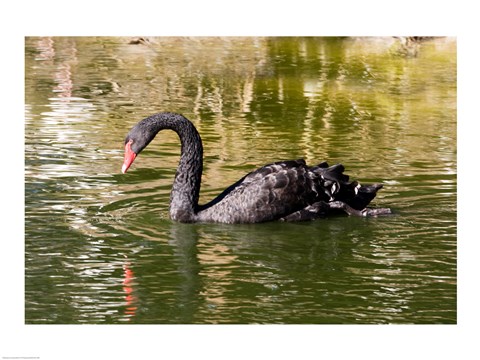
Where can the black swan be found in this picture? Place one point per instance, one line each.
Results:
(285, 190)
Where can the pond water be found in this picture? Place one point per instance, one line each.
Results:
(101, 249)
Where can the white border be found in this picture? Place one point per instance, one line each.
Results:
(246, 18)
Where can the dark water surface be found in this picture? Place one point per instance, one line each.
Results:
(100, 248)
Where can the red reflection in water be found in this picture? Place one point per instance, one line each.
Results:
(130, 298)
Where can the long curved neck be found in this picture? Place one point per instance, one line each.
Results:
(186, 186)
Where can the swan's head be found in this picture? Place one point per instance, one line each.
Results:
(137, 139)
(145, 130)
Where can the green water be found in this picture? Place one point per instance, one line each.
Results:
(100, 248)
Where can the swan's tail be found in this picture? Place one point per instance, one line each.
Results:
(336, 185)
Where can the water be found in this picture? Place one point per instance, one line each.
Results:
(100, 248)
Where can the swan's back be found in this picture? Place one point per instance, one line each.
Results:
(276, 191)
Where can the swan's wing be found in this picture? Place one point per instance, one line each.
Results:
(273, 168)
(282, 187)
(269, 193)
(254, 176)
(276, 190)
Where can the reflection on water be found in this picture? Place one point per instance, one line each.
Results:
(100, 248)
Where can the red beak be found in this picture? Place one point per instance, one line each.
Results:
(129, 157)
